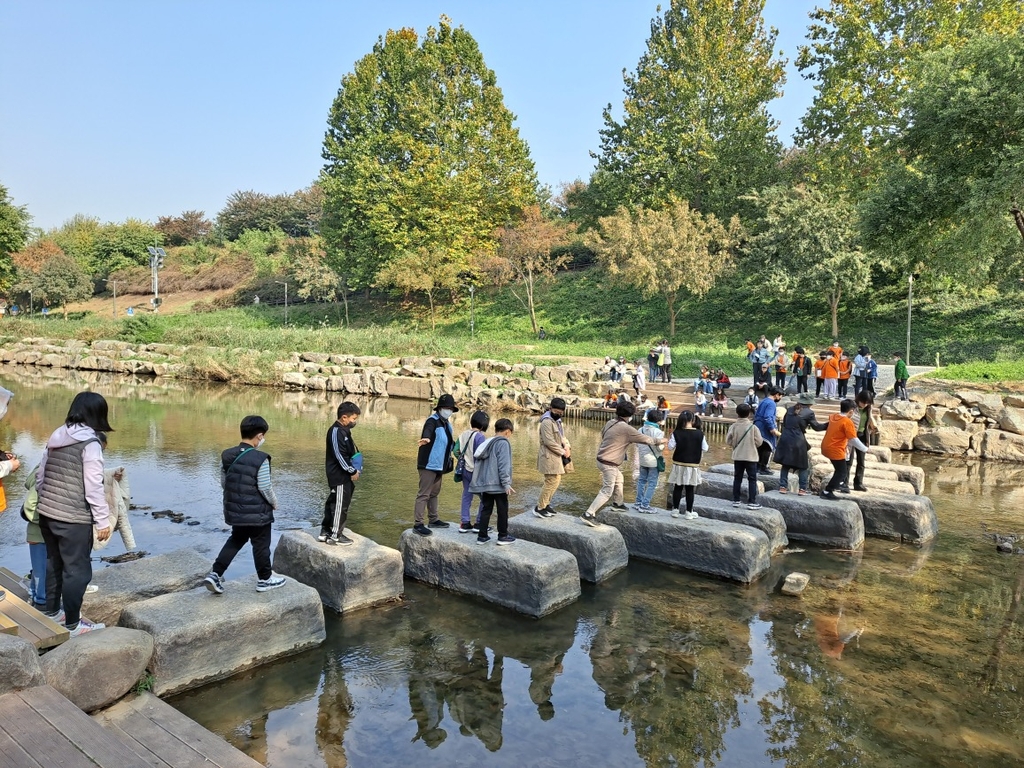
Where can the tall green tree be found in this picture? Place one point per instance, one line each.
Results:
(59, 282)
(951, 199)
(422, 157)
(14, 222)
(665, 252)
(860, 57)
(807, 245)
(695, 122)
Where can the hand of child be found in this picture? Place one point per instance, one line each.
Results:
(356, 476)
(510, 490)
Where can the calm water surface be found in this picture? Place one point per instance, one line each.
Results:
(895, 656)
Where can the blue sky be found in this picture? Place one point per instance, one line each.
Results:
(143, 108)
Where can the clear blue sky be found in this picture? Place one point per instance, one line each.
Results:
(143, 108)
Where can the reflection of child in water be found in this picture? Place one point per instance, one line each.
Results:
(831, 639)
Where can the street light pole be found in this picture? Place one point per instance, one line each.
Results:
(472, 313)
(113, 285)
(30, 302)
(285, 284)
(910, 304)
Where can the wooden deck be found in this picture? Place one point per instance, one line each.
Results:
(39, 728)
(29, 623)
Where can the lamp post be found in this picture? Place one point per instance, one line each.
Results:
(30, 302)
(910, 304)
(156, 262)
(472, 312)
(113, 285)
(285, 284)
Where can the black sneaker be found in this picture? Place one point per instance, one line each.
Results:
(482, 539)
(467, 528)
(590, 520)
(438, 524)
(844, 489)
(860, 488)
(765, 472)
(506, 539)
(422, 530)
(548, 511)
(620, 507)
(830, 496)
(341, 539)
(538, 512)
(214, 583)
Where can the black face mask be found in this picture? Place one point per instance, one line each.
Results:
(556, 416)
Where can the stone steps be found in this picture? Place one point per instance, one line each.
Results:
(526, 577)
(705, 545)
(599, 552)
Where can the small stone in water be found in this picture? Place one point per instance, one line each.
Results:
(192, 522)
(1004, 546)
(795, 583)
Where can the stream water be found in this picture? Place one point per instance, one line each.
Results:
(894, 656)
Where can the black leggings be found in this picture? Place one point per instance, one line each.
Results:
(69, 566)
(677, 495)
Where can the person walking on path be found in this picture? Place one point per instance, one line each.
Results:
(867, 426)
(492, 479)
(433, 461)
(819, 374)
(639, 382)
(616, 436)
(830, 373)
(646, 471)
(72, 508)
(901, 374)
(344, 465)
(791, 451)
(688, 446)
(845, 370)
(652, 364)
(759, 357)
(767, 422)
(249, 504)
(860, 362)
(744, 438)
(840, 433)
(554, 457)
(782, 363)
(465, 465)
(801, 369)
(665, 361)
(870, 373)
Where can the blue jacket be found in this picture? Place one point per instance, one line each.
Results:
(437, 453)
(765, 420)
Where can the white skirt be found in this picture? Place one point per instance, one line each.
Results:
(681, 475)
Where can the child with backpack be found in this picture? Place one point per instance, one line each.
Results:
(465, 447)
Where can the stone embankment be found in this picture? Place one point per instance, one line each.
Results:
(955, 421)
(486, 383)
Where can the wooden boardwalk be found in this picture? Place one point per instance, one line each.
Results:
(39, 728)
(28, 623)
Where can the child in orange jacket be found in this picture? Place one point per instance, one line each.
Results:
(840, 433)
(830, 373)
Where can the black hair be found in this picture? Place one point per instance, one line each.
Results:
(102, 437)
(348, 408)
(480, 420)
(865, 397)
(686, 417)
(798, 350)
(847, 405)
(743, 411)
(897, 354)
(863, 350)
(775, 391)
(252, 426)
(557, 402)
(503, 424)
(654, 416)
(90, 409)
(625, 410)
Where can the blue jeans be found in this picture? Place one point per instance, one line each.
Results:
(37, 554)
(467, 497)
(645, 485)
(802, 474)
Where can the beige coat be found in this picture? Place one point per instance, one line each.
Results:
(743, 438)
(553, 444)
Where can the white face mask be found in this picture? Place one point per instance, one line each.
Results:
(261, 442)
(445, 413)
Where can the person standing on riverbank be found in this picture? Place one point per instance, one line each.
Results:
(554, 457)
(73, 508)
(249, 504)
(902, 374)
(492, 479)
(434, 461)
(616, 436)
(344, 464)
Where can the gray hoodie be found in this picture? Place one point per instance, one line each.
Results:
(493, 470)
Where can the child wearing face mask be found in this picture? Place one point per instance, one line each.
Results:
(249, 504)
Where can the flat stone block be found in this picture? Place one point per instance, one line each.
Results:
(713, 547)
(347, 578)
(819, 521)
(98, 668)
(200, 637)
(795, 583)
(524, 576)
(770, 521)
(599, 552)
(720, 486)
(876, 481)
(880, 452)
(126, 583)
(899, 516)
(764, 482)
(908, 473)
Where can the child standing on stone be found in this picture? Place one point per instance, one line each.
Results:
(344, 464)
(646, 461)
(744, 438)
(840, 433)
(902, 374)
(688, 446)
(249, 504)
(492, 479)
(465, 447)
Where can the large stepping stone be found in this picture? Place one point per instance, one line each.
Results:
(904, 517)
(817, 520)
(526, 577)
(599, 552)
(720, 486)
(360, 575)
(821, 474)
(908, 473)
(126, 583)
(770, 521)
(200, 637)
(713, 547)
(96, 669)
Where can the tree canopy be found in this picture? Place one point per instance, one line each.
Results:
(296, 214)
(14, 221)
(695, 123)
(421, 156)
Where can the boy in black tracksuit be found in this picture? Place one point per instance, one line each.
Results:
(343, 463)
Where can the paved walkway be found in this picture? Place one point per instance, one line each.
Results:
(884, 381)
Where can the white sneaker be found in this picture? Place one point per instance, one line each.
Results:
(275, 581)
(676, 514)
(84, 625)
(692, 515)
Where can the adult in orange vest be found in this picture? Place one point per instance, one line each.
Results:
(845, 371)
(830, 373)
(819, 375)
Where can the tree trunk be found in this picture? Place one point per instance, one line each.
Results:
(671, 299)
(529, 301)
(433, 321)
(344, 299)
(833, 303)
(1018, 218)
